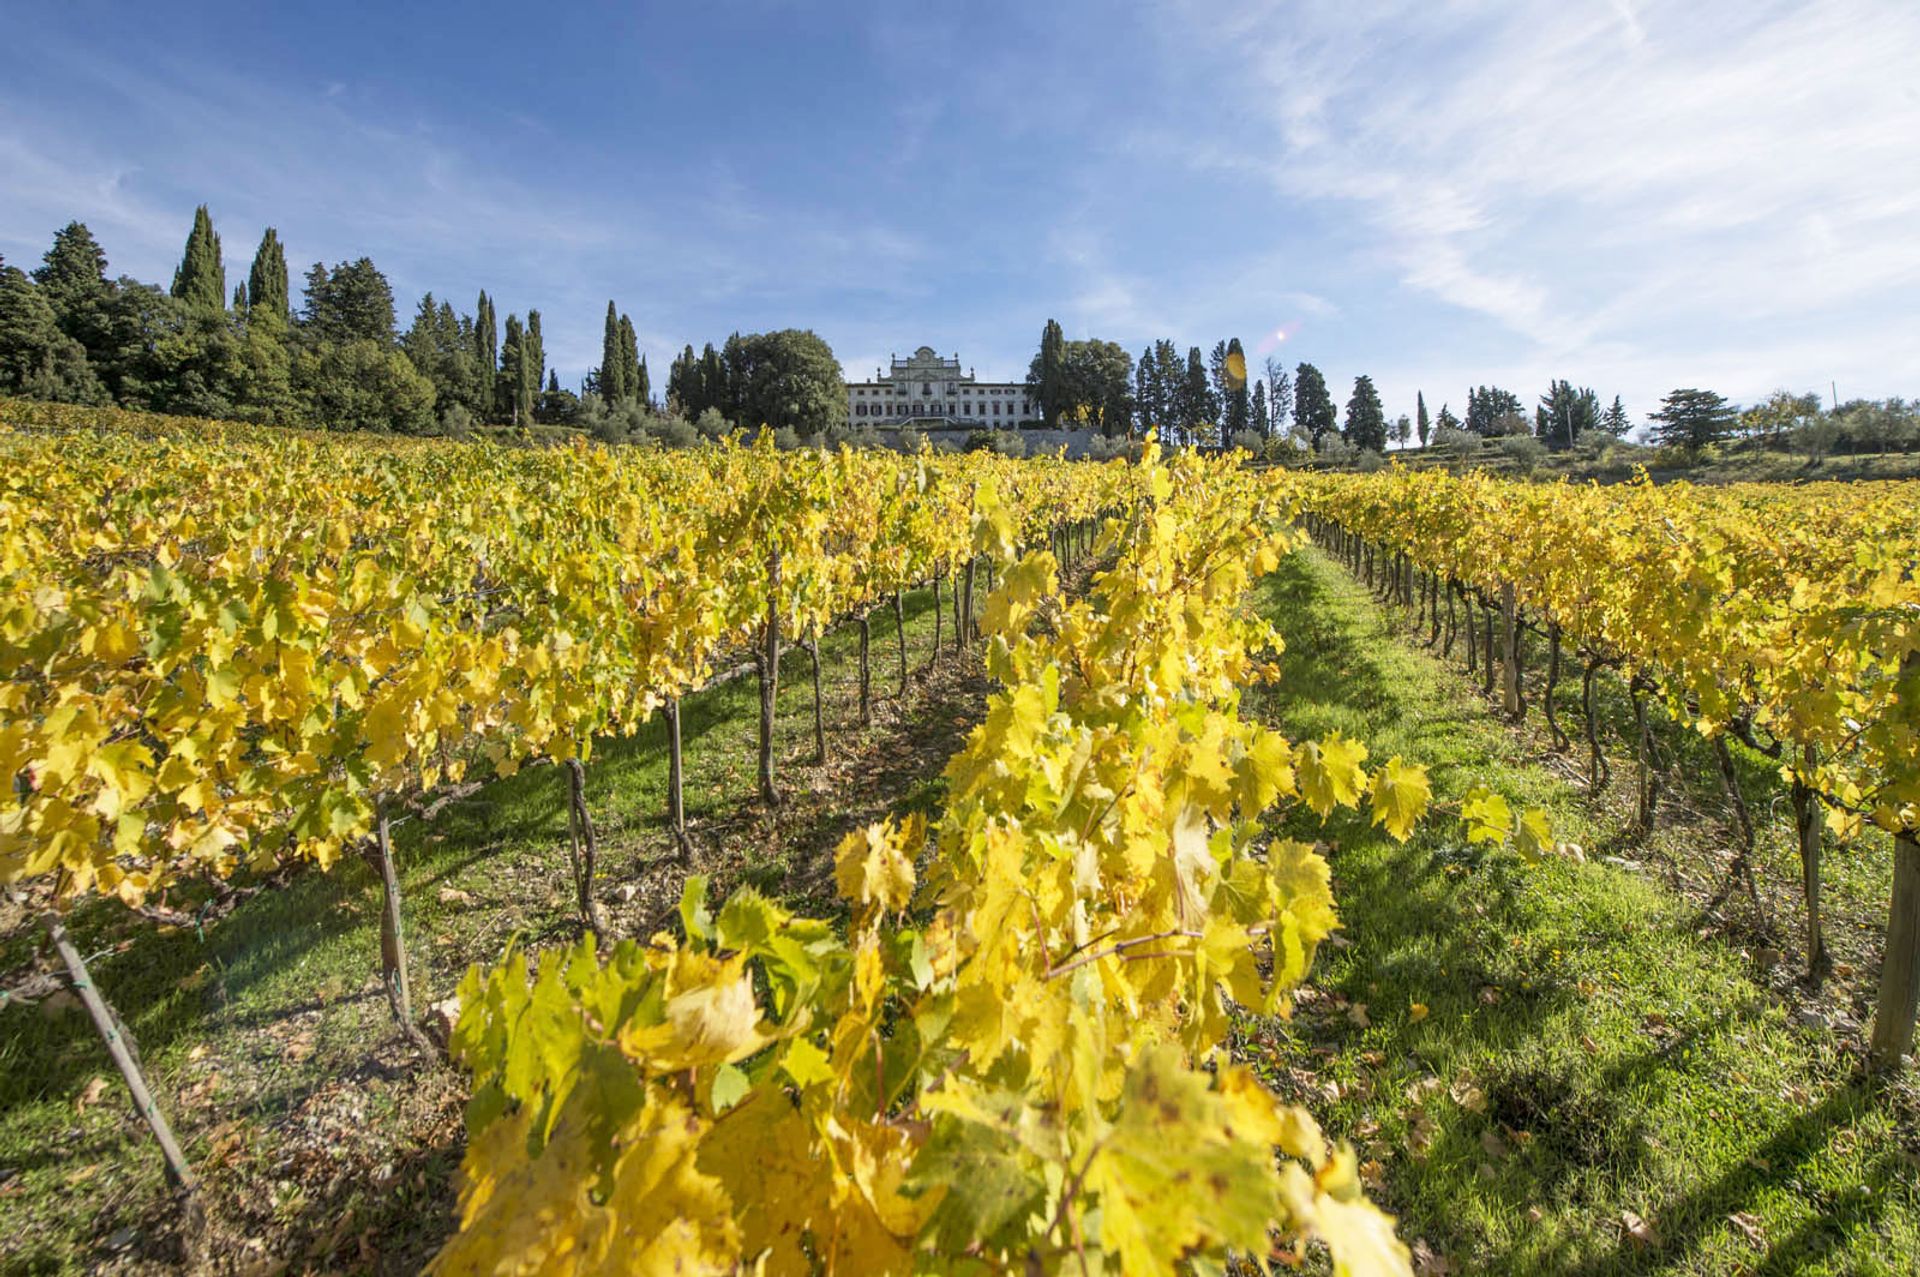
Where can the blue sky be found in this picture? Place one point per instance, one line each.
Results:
(1633, 194)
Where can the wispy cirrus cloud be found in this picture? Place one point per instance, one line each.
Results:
(1716, 185)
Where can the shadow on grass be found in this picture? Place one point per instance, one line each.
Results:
(1612, 1059)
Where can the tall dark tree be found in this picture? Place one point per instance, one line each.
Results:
(1614, 421)
(1096, 385)
(441, 350)
(267, 297)
(1236, 404)
(1366, 426)
(733, 363)
(1691, 419)
(1146, 393)
(515, 378)
(535, 348)
(1565, 414)
(1493, 412)
(486, 356)
(629, 360)
(644, 390)
(612, 379)
(789, 379)
(1313, 412)
(351, 302)
(201, 279)
(1169, 383)
(1279, 393)
(1044, 384)
(1262, 423)
(72, 277)
(714, 392)
(1420, 421)
(1199, 410)
(1445, 421)
(37, 360)
(682, 392)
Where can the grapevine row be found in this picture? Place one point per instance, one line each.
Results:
(1785, 617)
(1011, 1060)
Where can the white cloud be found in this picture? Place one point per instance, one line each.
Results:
(1669, 179)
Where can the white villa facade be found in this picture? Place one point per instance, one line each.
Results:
(930, 392)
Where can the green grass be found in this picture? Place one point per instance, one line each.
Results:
(270, 1045)
(1587, 1051)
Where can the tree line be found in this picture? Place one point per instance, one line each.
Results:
(71, 333)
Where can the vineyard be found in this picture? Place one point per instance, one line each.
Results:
(1054, 1014)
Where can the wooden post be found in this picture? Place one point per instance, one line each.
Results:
(1900, 959)
(866, 671)
(1473, 633)
(393, 945)
(1486, 650)
(1560, 740)
(1742, 867)
(1510, 651)
(584, 847)
(1598, 771)
(965, 620)
(1807, 829)
(676, 782)
(819, 724)
(1649, 798)
(938, 615)
(768, 659)
(126, 1057)
(900, 638)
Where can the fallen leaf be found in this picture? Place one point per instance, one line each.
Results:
(1489, 995)
(1493, 1145)
(90, 1093)
(1373, 1172)
(1428, 1264)
(1358, 1014)
(1535, 1214)
(1417, 1012)
(1641, 1231)
(1468, 1096)
(1750, 1227)
(455, 896)
(1418, 1091)
(1588, 1045)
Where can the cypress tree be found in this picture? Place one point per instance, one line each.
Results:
(629, 361)
(1198, 405)
(201, 279)
(535, 349)
(713, 381)
(645, 391)
(1313, 411)
(612, 364)
(1366, 419)
(1238, 405)
(1262, 424)
(267, 281)
(1420, 422)
(486, 357)
(516, 388)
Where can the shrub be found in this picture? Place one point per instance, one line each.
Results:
(1525, 451)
